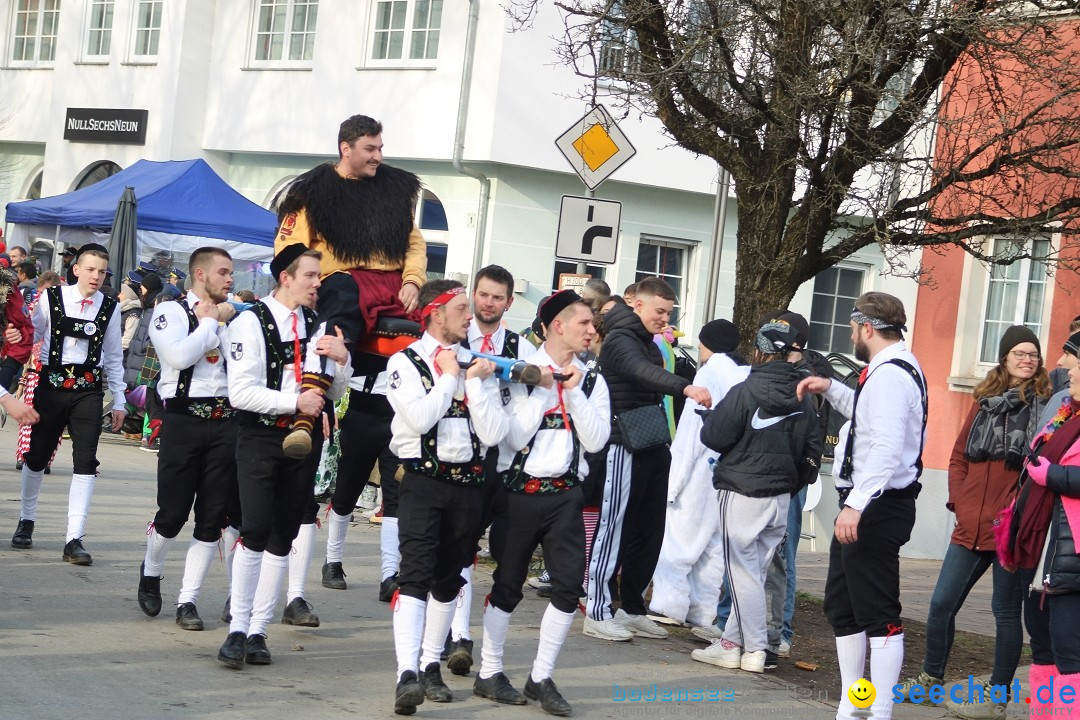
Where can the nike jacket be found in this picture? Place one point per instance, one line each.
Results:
(769, 441)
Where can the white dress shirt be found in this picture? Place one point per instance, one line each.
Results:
(177, 349)
(416, 410)
(247, 362)
(498, 340)
(74, 350)
(552, 452)
(888, 427)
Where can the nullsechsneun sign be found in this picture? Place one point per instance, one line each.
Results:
(105, 125)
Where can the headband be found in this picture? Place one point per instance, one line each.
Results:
(861, 318)
(439, 302)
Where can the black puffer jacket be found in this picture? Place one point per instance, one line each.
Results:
(1063, 558)
(632, 366)
(769, 441)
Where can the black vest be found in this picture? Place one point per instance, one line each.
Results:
(279, 354)
(85, 375)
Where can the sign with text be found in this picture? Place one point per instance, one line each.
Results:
(105, 125)
(573, 281)
(588, 230)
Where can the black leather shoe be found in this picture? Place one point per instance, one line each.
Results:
(298, 612)
(255, 650)
(23, 537)
(435, 689)
(76, 554)
(497, 688)
(460, 659)
(149, 590)
(231, 654)
(187, 617)
(226, 613)
(548, 695)
(408, 694)
(387, 588)
(333, 576)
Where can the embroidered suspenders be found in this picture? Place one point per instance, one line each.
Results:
(209, 408)
(514, 478)
(86, 375)
(279, 354)
(467, 473)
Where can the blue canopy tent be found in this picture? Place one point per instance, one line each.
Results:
(183, 205)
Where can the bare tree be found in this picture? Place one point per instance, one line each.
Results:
(847, 123)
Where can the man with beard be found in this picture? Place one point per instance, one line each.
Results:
(197, 459)
(493, 294)
(270, 345)
(359, 214)
(878, 481)
(444, 419)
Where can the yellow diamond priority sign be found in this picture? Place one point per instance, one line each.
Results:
(595, 147)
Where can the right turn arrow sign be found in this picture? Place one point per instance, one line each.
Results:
(588, 230)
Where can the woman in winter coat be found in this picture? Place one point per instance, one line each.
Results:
(686, 582)
(1045, 526)
(983, 470)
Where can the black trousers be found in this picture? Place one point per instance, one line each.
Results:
(438, 527)
(1037, 619)
(10, 370)
(365, 440)
(275, 490)
(78, 411)
(643, 526)
(196, 467)
(520, 523)
(862, 589)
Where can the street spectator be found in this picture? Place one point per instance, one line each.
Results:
(131, 310)
(770, 447)
(595, 293)
(18, 330)
(28, 273)
(32, 375)
(1059, 376)
(983, 471)
(18, 256)
(631, 528)
(686, 583)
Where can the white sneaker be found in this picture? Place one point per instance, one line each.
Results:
(607, 630)
(753, 661)
(541, 581)
(785, 649)
(722, 654)
(368, 498)
(708, 633)
(640, 625)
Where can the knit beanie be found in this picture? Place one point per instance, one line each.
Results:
(720, 336)
(1014, 336)
(1072, 345)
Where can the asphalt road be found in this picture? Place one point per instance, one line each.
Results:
(75, 646)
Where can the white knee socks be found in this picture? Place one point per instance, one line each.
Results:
(851, 657)
(408, 632)
(229, 536)
(886, 659)
(157, 548)
(553, 630)
(247, 566)
(335, 540)
(496, 624)
(82, 488)
(196, 566)
(459, 626)
(274, 568)
(303, 547)
(388, 545)
(31, 488)
(436, 625)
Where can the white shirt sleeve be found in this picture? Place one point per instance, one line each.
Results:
(489, 420)
(247, 370)
(841, 397)
(112, 359)
(173, 344)
(419, 410)
(41, 317)
(590, 414)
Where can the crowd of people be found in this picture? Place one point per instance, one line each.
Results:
(622, 467)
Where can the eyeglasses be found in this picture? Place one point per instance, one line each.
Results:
(1021, 355)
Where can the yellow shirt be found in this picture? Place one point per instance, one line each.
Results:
(296, 228)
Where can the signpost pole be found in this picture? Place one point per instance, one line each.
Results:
(712, 280)
(589, 192)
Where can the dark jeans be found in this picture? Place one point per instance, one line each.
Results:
(960, 570)
(643, 526)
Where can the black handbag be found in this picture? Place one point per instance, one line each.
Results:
(643, 428)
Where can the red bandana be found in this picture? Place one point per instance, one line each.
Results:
(439, 302)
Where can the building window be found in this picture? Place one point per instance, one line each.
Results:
(96, 173)
(285, 30)
(431, 214)
(1015, 293)
(99, 37)
(147, 28)
(436, 261)
(619, 54)
(835, 292)
(407, 29)
(34, 40)
(666, 260)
